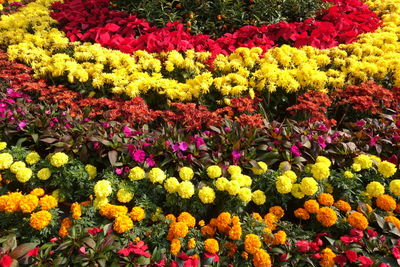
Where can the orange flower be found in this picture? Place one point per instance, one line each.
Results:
(270, 220)
(208, 230)
(235, 232)
(358, 220)
(48, 202)
(252, 243)
(170, 217)
(112, 211)
(311, 206)
(280, 238)
(325, 199)
(302, 214)
(122, 224)
(13, 200)
(211, 245)
(327, 258)
(386, 202)
(261, 258)
(326, 216)
(40, 219)
(277, 211)
(364, 208)
(393, 220)
(187, 218)
(28, 203)
(343, 206)
(223, 221)
(257, 216)
(137, 214)
(191, 243)
(232, 249)
(76, 211)
(37, 192)
(178, 229)
(175, 246)
(65, 225)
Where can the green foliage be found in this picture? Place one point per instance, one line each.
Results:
(221, 16)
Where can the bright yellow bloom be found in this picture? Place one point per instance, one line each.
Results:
(364, 161)
(309, 186)
(206, 195)
(186, 173)
(23, 175)
(252, 243)
(76, 211)
(186, 189)
(233, 169)
(211, 245)
(322, 159)
(221, 183)
(136, 174)
(28, 203)
(32, 158)
(17, 165)
(261, 169)
(48, 202)
(59, 159)
(156, 175)
(386, 168)
(348, 174)
(102, 189)
(327, 258)
(261, 259)
(375, 189)
(91, 170)
(394, 187)
(258, 197)
(283, 184)
(320, 170)
(124, 196)
(43, 174)
(3, 145)
(214, 171)
(6, 160)
(245, 194)
(171, 185)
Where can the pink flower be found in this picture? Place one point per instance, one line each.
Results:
(183, 146)
(302, 245)
(94, 231)
(396, 252)
(321, 141)
(54, 239)
(139, 156)
(127, 131)
(295, 151)
(371, 233)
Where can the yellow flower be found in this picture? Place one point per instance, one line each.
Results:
(100, 202)
(137, 214)
(233, 169)
(211, 245)
(40, 219)
(191, 243)
(309, 186)
(28, 203)
(221, 183)
(214, 171)
(356, 167)
(357, 220)
(322, 159)
(206, 195)
(327, 258)
(348, 174)
(283, 184)
(258, 197)
(171, 185)
(32, 158)
(76, 210)
(136, 174)
(48, 202)
(364, 161)
(394, 187)
(43, 174)
(23, 175)
(102, 189)
(393, 220)
(156, 175)
(320, 170)
(186, 189)
(59, 159)
(175, 246)
(232, 187)
(261, 169)
(186, 173)
(386, 168)
(291, 175)
(252, 243)
(279, 238)
(297, 192)
(122, 224)
(326, 216)
(375, 189)
(245, 194)
(6, 160)
(16, 166)
(124, 196)
(3, 145)
(91, 170)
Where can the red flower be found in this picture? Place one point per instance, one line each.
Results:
(371, 233)
(351, 255)
(94, 231)
(396, 252)
(33, 252)
(365, 261)
(302, 245)
(340, 260)
(6, 261)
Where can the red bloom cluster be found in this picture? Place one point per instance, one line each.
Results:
(93, 20)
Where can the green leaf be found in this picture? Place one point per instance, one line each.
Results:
(380, 221)
(22, 249)
(143, 260)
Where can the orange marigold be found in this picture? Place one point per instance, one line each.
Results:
(325, 199)
(170, 217)
(302, 214)
(208, 230)
(65, 225)
(76, 211)
(279, 238)
(386, 202)
(175, 246)
(397, 209)
(201, 223)
(270, 220)
(357, 220)
(326, 216)
(343, 206)
(122, 224)
(327, 258)
(3, 202)
(223, 221)
(277, 211)
(137, 214)
(39, 192)
(113, 211)
(211, 245)
(178, 229)
(187, 218)
(48, 202)
(28, 203)
(393, 220)
(235, 232)
(311, 206)
(364, 208)
(40, 219)
(244, 255)
(261, 258)
(235, 220)
(252, 243)
(257, 216)
(13, 200)
(191, 243)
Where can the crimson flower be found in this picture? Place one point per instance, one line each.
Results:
(6, 261)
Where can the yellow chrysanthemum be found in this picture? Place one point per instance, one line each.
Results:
(186, 173)
(136, 174)
(214, 171)
(59, 159)
(6, 159)
(124, 196)
(32, 158)
(171, 185)
(186, 189)
(102, 189)
(206, 195)
(156, 175)
(43, 174)
(387, 169)
(23, 175)
(258, 197)
(375, 189)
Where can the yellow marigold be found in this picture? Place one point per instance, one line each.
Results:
(91, 171)
(43, 174)
(233, 169)
(48, 202)
(170, 217)
(357, 220)
(186, 173)
(364, 161)
(66, 224)
(327, 258)
(348, 174)
(375, 189)
(13, 201)
(325, 199)
(124, 196)
(279, 238)
(297, 192)
(393, 220)
(235, 232)
(32, 158)
(16, 166)
(211, 245)
(258, 197)
(201, 223)
(322, 159)
(311, 206)
(40, 219)
(386, 168)
(261, 169)
(187, 218)
(283, 184)
(171, 185)
(122, 224)
(76, 210)
(102, 189)
(375, 159)
(178, 229)
(191, 243)
(156, 175)
(257, 216)
(309, 186)
(100, 202)
(28, 203)
(3, 145)
(6, 159)
(214, 171)
(221, 183)
(326, 216)
(137, 214)
(252, 243)
(277, 211)
(23, 175)
(270, 220)
(328, 188)
(37, 192)
(186, 189)
(386, 202)
(320, 171)
(136, 174)
(342, 205)
(232, 187)
(261, 259)
(245, 194)
(356, 167)
(207, 195)
(291, 175)
(394, 187)
(175, 246)
(302, 214)
(59, 159)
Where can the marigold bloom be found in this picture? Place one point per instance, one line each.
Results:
(186, 173)
(252, 243)
(91, 171)
(156, 175)
(309, 186)
(124, 196)
(270, 220)
(320, 171)
(327, 258)
(375, 189)
(137, 214)
(12, 201)
(326, 216)
(214, 171)
(48, 202)
(208, 230)
(187, 218)
(342, 205)
(211, 245)
(302, 214)
(261, 258)
(23, 175)
(178, 229)
(311, 206)
(17, 165)
(122, 224)
(261, 169)
(171, 185)
(136, 174)
(40, 219)
(235, 232)
(65, 225)
(37, 192)
(28, 203)
(6, 159)
(175, 246)
(43, 174)
(207, 195)
(325, 199)
(357, 220)
(191, 243)
(277, 211)
(102, 189)
(393, 220)
(386, 168)
(279, 238)
(394, 187)
(223, 221)
(386, 202)
(112, 211)
(171, 217)
(364, 161)
(258, 197)
(186, 189)
(32, 158)
(76, 211)
(59, 159)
